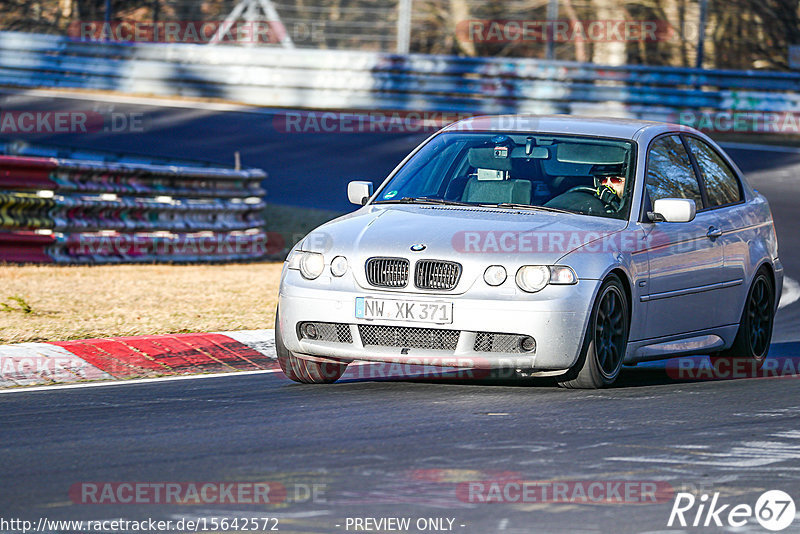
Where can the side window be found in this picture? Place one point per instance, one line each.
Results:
(722, 185)
(670, 173)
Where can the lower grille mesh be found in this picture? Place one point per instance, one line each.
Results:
(401, 336)
(410, 337)
(335, 332)
(489, 342)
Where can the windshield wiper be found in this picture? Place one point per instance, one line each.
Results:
(443, 202)
(527, 207)
(423, 200)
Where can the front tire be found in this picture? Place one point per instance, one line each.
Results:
(755, 327)
(302, 370)
(605, 342)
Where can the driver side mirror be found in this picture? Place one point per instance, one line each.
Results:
(359, 192)
(675, 210)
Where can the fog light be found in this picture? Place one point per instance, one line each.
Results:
(309, 331)
(338, 266)
(495, 275)
(527, 344)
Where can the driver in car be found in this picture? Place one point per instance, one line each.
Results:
(610, 189)
(605, 197)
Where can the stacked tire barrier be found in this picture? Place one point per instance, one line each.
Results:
(70, 211)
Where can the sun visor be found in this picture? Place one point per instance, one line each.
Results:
(590, 154)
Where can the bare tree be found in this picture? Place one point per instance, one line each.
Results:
(609, 52)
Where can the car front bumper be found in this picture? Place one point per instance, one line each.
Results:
(556, 318)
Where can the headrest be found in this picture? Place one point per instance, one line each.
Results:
(496, 192)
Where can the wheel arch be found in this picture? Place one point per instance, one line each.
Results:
(767, 266)
(625, 280)
(626, 284)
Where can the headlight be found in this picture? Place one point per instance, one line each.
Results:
(532, 278)
(494, 275)
(561, 274)
(338, 266)
(311, 264)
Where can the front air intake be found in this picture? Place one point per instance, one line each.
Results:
(437, 274)
(387, 272)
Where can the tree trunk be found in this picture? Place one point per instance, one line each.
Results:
(608, 52)
(459, 14)
(65, 9)
(580, 46)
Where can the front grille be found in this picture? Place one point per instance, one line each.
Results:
(335, 332)
(387, 272)
(402, 336)
(437, 274)
(489, 342)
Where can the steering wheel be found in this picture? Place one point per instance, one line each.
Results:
(581, 189)
(608, 202)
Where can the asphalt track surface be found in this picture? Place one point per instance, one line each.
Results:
(399, 447)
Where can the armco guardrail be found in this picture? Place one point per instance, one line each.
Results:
(69, 211)
(363, 80)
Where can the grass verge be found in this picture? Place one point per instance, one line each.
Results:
(58, 303)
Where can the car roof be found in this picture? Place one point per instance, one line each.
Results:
(563, 124)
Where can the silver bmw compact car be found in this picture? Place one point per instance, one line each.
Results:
(559, 246)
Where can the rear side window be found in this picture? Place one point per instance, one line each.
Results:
(722, 185)
(670, 173)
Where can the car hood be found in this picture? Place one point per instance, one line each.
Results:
(446, 231)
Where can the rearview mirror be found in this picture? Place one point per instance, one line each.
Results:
(673, 210)
(359, 192)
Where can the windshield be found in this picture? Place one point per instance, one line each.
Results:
(586, 175)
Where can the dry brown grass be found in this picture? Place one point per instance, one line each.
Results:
(126, 300)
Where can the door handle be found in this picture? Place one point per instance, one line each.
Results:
(714, 232)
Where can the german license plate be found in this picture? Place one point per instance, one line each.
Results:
(417, 311)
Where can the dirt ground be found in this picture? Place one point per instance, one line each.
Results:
(49, 303)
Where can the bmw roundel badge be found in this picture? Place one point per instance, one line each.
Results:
(417, 247)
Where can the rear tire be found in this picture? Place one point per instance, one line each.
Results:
(302, 370)
(755, 327)
(605, 341)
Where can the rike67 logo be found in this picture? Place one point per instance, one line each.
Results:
(774, 510)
